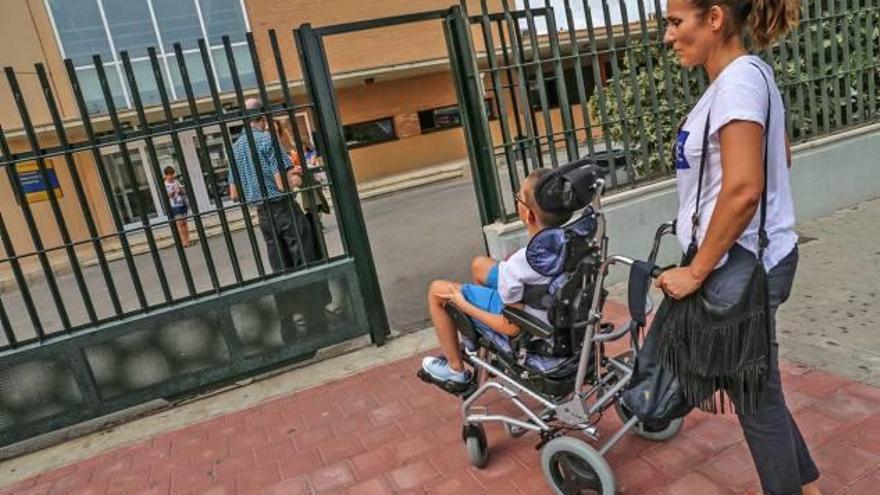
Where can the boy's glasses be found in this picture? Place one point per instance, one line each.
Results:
(517, 199)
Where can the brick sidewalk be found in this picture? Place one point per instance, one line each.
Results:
(384, 431)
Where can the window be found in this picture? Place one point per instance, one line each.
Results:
(372, 132)
(552, 91)
(439, 118)
(107, 27)
(448, 117)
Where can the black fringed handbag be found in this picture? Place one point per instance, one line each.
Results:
(727, 349)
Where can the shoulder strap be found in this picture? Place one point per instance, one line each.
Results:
(695, 220)
(763, 239)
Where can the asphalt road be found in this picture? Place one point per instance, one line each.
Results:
(416, 236)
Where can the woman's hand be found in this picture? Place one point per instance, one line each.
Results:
(678, 283)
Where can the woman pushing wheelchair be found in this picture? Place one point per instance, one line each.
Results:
(736, 219)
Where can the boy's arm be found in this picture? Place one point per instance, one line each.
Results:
(496, 322)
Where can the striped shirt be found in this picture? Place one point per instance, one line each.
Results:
(244, 162)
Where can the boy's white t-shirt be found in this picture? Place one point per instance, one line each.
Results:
(514, 274)
(738, 93)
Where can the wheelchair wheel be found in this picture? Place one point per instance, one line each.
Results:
(476, 444)
(572, 467)
(656, 433)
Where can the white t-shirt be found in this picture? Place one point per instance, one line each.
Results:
(514, 274)
(738, 93)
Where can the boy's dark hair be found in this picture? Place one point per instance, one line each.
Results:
(169, 170)
(546, 219)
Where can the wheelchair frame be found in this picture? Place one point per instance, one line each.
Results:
(572, 411)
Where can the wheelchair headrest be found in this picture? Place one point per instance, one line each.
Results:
(570, 187)
(548, 249)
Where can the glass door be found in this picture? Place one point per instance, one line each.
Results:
(126, 194)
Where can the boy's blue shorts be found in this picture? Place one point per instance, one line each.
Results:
(485, 297)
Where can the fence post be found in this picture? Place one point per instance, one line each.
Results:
(319, 84)
(473, 115)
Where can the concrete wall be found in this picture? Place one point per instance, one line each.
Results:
(827, 174)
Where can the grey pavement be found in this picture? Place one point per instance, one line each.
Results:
(833, 316)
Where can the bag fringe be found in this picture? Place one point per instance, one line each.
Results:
(731, 356)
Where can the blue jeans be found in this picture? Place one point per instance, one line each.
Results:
(778, 449)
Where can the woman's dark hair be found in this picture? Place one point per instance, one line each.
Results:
(169, 170)
(767, 20)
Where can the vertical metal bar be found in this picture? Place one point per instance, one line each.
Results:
(153, 159)
(61, 132)
(530, 104)
(848, 65)
(37, 239)
(871, 61)
(205, 162)
(498, 88)
(517, 118)
(128, 169)
(105, 183)
(11, 341)
(785, 85)
(233, 162)
(857, 59)
(636, 89)
(668, 82)
(599, 86)
(798, 81)
(60, 222)
(290, 108)
(583, 98)
(473, 112)
(568, 127)
(813, 84)
(823, 76)
(264, 199)
(528, 117)
(190, 179)
(280, 158)
(618, 91)
(319, 83)
(835, 63)
(652, 88)
(9, 248)
(538, 71)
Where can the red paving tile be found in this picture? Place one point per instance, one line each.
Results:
(383, 431)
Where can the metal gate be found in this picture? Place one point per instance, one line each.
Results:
(102, 305)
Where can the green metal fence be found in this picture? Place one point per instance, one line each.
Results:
(571, 78)
(95, 323)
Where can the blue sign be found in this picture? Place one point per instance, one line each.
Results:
(33, 186)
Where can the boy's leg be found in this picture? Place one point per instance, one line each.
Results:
(447, 334)
(481, 270)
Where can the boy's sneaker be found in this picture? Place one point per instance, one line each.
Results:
(439, 369)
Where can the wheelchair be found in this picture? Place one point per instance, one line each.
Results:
(560, 376)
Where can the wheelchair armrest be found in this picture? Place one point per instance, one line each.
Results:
(527, 322)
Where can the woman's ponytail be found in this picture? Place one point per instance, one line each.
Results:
(770, 20)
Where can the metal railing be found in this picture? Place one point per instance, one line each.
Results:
(571, 78)
(102, 306)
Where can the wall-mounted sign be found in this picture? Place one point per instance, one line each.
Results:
(33, 186)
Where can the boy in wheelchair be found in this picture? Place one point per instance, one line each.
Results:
(498, 283)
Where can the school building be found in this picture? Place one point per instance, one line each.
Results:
(394, 90)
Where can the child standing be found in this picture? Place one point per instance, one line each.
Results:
(179, 206)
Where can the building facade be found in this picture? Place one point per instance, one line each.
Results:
(394, 88)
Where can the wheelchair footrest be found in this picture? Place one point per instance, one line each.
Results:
(463, 390)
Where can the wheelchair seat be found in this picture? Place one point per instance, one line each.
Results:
(547, 354)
